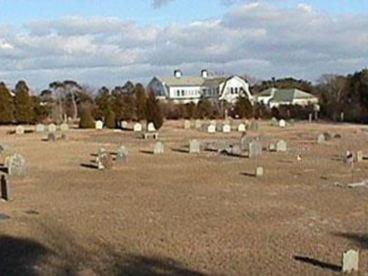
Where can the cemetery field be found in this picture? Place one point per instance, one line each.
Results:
(185, 214)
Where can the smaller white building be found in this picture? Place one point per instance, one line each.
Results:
(274, 97)
(182, 89)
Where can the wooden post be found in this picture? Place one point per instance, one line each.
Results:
(5, 189)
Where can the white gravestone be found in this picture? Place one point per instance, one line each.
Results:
(99, 125)
(211, 129)
(137, 127)
(259, 172)
(226, 128)
(64, 127)
(255, 149)
(194, 146)
(198, 124)
(242, 128)
(151, 127)
(40, 128)
(282, 123)
(350, 261)
(51, 128)
(186, 124)
(281, 146)
(124, 124)
(19, 130)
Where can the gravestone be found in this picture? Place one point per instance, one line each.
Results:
(124, 124)
(226, 128)
(99, 125)
(282, 123)
(255, 149)
(310, 118)
(122, 154)
(242, 128)
(51, 128)
(321, 139)
(350, 261)
(16, 165)
(159, 148)
(198, 124)
(233, 150)
(211, 129)
(254, 126)
(186, 124)
(328, 136)
(104, 160)
(64, 127)
(137, 127)
(219, 127)
(5, 188)
(274, 122)
(51, 137)
(281, 146)
(40, 128)
(244, 142)
(259, 171)
(359, 156)
(151, 127)
(194, 146)
(19, 130)
(272, 147)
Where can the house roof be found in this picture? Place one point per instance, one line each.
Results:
(193, 81)
(286, 95)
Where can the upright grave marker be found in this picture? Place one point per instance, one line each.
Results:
(64, 127)
(350, 261)
(122, 154)
(194, 146)
(242, 128)
(151, 127)
(186, 124)
(16, 165)
(104, 160)
(19, 130)
(159, 148)
(281, 146)
(99, 125)
(40, 128)
(137, 127)
(51, 128)
(254, 149)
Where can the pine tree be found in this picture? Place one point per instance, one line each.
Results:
(110, 119)
(6, 105)
(141, 99)
(86, 120)
(24, 113)
(244, 108)
(153, 111)
(104, 102)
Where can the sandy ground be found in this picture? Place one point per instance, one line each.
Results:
(181, 214)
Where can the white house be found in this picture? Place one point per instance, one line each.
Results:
(182, 89)
(274, 97)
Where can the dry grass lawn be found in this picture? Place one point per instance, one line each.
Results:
(181, 214)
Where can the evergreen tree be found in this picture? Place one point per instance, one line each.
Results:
(244, 108)
(153, 111)
(104, 103)
(141, 99)
(23, 104)
(6, 105)
(110, 119)
(204, 109)
(86, 120)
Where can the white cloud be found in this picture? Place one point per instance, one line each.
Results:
(254, 38)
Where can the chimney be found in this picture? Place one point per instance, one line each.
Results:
(204, 73)
(177, 74)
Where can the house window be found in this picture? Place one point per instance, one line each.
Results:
(236, 90)
(232, 90)
(182, 93)
(178, 93)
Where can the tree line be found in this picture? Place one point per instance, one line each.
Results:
(341, 98)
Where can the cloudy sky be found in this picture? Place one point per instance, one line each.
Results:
(108, 42)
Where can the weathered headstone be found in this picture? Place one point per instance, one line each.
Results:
(350, 261)
(137, 127)
(359, 156)
(259, 171)
(5, 188)
(233, 150)
(186, 124)
(198, 124)
(226, 128)
(281, 146)
(16, 165)
(122, 154)
(40, 128)
(254, 126)
(99, 125)
(274, 122)
(159, 148)
(104, 160)
(254, 149)
(321, 139)
(194, 146)
(310, 119)
(64, 127)
(151, 127)
(211, 129)
(51, 137)
(51, 128)
(245, 141)
(282, 123)
(19, 130)
(242, 128)
(124, 124)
